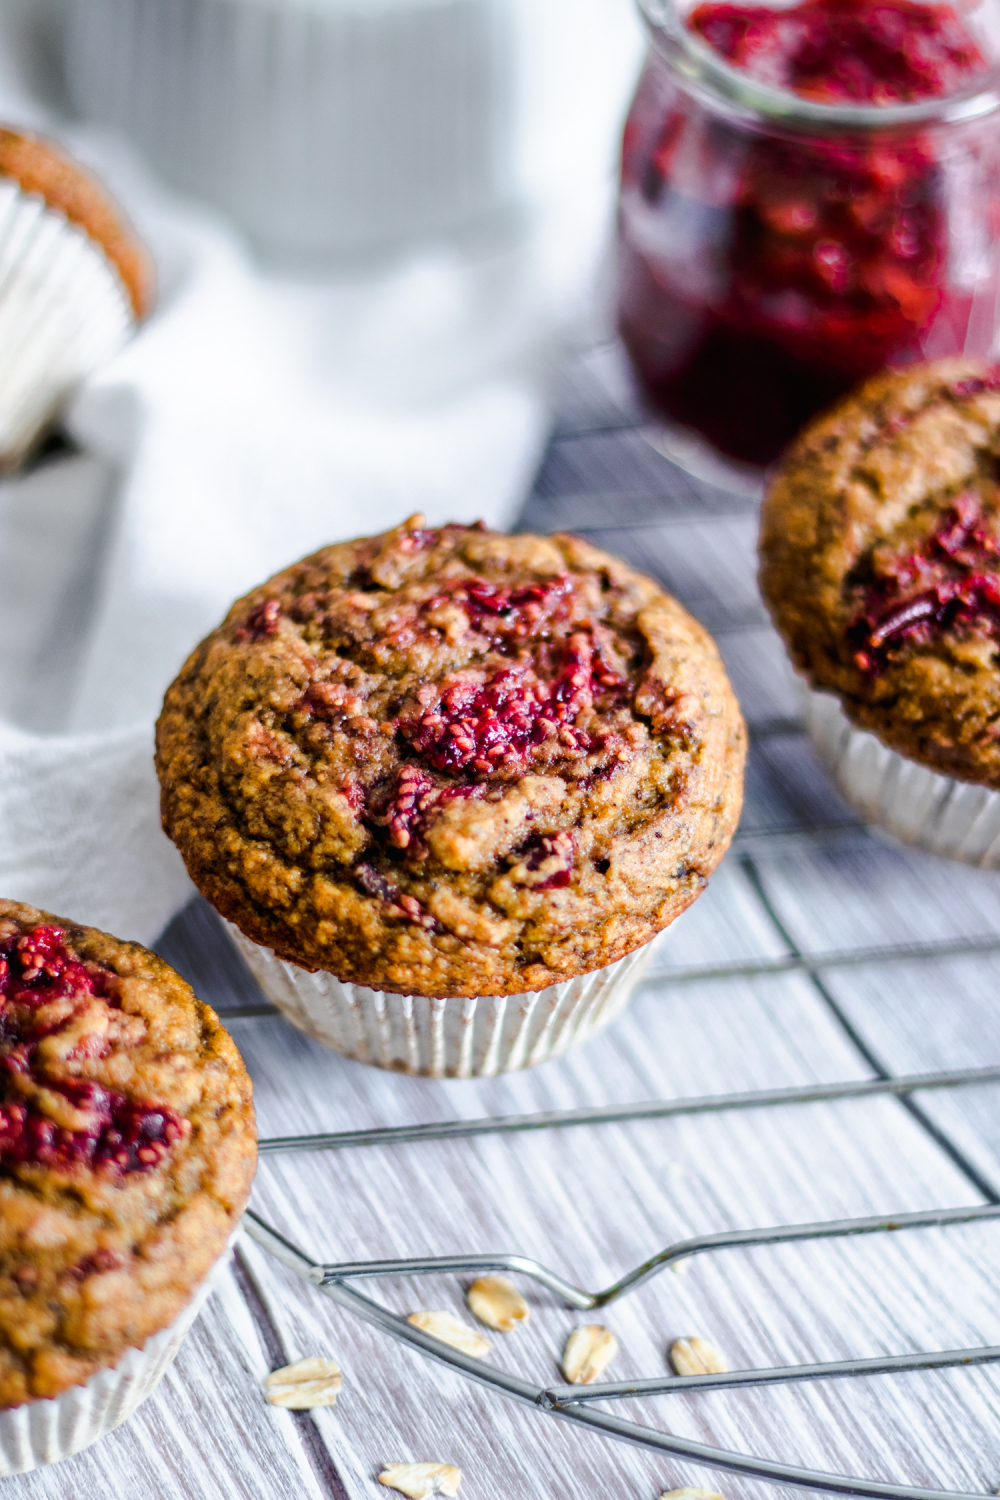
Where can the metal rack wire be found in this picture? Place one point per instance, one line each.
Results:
(649, 503)
(576, 1404)
(338, 1280)
(580, 1405)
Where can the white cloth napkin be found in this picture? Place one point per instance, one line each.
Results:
(251, 421)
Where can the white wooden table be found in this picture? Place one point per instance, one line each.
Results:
(803, 879)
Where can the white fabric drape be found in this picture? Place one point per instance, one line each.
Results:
(252, 420)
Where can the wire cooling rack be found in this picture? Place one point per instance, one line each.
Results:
(577, 1404)
(602, 477)
(587, 1406)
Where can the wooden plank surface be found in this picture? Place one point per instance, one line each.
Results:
(592, 1202)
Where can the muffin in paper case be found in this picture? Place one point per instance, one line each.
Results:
(880, 565)
(449, 784)
(475, 1037)
(43, 1432)
(957, 819)
(127, 1152)
(74, 282)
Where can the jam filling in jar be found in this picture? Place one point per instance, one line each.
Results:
(768, 264)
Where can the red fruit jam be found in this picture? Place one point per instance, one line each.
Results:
(261, 622)
(951, 584)
(524, 714)
(846, 51)
(504, 611)
(47, 1116)
(766, 268)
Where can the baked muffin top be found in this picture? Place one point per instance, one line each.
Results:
(41, 167)
(452, 762)
(880, 562)
(127, 1149)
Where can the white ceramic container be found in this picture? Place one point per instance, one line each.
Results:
(328, 127)
(316, 124)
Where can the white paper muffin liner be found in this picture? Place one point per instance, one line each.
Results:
(43, 1432)
(63, 310)
(318, 125)
(470, 1038)
(955, 819)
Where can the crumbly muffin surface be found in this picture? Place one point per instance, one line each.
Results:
(880, 562)
(452, 762)
(127, 1149)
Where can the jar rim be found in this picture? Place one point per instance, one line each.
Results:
(701, 66)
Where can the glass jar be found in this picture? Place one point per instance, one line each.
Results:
(774, 250)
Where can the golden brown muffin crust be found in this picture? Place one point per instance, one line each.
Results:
(451, 762)
(879, 562)
(127, 1149)
(40, 166)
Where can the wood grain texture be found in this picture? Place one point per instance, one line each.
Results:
(594, 1201)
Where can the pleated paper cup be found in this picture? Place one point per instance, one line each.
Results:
(64, 310)
(43, 1432)
(320, 126)
(464, 1038)
(955, 819)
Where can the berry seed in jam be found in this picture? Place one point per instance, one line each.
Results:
(765, 268)
(48, 1117)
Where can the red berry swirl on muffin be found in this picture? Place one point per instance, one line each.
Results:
(452, 762)
(127, 1149)
(880, 562)
(946, 584)
(56, 1012)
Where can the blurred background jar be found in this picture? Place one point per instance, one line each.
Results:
(808, 194)
(333, 128)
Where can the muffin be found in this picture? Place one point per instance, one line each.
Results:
(452, 764)
(127, 1150)
(74, 282)
(880, 564)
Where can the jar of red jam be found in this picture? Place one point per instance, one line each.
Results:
(808, 194)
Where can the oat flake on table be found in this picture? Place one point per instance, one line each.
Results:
(419, 1481)
(451, 1330)
(304, 1385)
